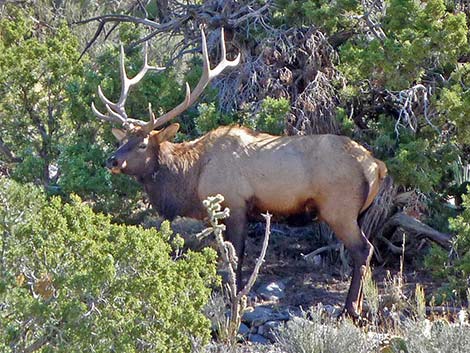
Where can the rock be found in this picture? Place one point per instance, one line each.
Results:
(262, 314)
(255, 338)
(270, 329)
(318, 261)
(333, 310)
(244, 330)
(272, 291)
(188, 229)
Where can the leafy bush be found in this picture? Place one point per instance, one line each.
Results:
(328, 15)
(71, 281)
(412, 165)
(454, 102)
(210, 118)
(419, 35)
(82, 173)
(416, 160)
(454, 267)
(35, 69)
(272, 116)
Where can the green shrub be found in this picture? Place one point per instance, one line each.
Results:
(71, 281)
(210, 118)
(419, 36)
(272, 116)
(454, 101)
(82, 173)
(414, 159)
(330, 16)
(35, 70)
(413, 165)
(454, 268)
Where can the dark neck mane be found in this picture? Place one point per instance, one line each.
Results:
(172, 186)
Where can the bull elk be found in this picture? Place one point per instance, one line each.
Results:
(330, 175)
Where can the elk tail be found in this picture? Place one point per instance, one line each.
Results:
(382, 169)
(374, 184)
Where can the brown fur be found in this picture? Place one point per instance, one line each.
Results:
(331, 175)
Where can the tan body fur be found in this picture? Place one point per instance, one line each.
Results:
(287, 175)
(330, 175)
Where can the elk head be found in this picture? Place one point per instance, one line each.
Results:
(139, 141)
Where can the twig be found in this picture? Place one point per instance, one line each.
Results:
(393, 248)
(318, 251)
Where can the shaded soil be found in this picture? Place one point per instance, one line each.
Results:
(326, 281)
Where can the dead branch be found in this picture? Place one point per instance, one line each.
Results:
(296, 64)
(254, 275)
(443, 310)
(392, 247)
(185, 18)
(310, 256)
(411, 103)
(414, 227)
(374, 10)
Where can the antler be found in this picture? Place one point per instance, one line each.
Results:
(116, 111)
(206, 77)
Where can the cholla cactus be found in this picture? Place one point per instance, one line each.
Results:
(236, 296)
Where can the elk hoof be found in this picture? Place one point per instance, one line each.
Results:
(350, 312)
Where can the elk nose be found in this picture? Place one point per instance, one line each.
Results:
(112, 162)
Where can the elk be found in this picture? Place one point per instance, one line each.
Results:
(330, 175)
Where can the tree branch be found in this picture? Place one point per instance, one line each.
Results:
(5, 150)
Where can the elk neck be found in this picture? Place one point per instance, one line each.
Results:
(172, 185)
(180, 158)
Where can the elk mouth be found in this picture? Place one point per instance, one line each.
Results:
(115, 170)
(114, 166)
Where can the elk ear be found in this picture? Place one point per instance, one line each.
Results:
(167, 133)
(118, 134)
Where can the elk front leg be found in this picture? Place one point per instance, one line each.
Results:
(236, 234)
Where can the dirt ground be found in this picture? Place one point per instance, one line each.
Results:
(326, 281)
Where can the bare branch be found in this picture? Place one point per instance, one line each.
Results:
(254, 275)
(413, 226)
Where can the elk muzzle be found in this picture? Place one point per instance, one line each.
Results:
(114, 165)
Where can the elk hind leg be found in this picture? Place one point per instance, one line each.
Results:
(360, 249)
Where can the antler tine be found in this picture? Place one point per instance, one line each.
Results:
(112, 119)
(106, 101)
(127, 82)
(207, 76)
(116, 111)
(153, 123)
(225, 62)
